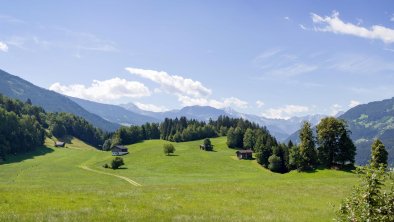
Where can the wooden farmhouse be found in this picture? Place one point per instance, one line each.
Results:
(119, 150)
(244, 154)
(60, 144)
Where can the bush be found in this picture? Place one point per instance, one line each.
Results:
(274, 163)
(106, 165)
(168, 149)
(208, 144)
(371, 200)
(117, 162)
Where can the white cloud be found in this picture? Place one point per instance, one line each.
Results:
(151, 107)
(188, 91)
(293, 70)
(3, 47)
(335, 25)
(227, 102)
(259, 103)
(353, 103)
(287, 18)
(104, 91)
(392, 18)
(302, 27)
(335, 109)
(285, 112)
(173, 83)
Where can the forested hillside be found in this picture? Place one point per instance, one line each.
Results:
(23, 127)
(370, 121)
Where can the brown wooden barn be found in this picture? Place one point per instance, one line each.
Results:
(244, 154)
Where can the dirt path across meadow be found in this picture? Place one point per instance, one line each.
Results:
(110, 174)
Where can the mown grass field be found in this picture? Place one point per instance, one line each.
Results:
(192, 185)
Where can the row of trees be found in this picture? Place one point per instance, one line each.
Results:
(332, 147)
(132, 134)
(182, 129)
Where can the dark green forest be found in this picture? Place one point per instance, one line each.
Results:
(23, 127)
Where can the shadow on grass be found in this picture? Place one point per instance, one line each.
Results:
(121, 168)
(214, 151)
(40, 151)
(173, 155)
(346, 168)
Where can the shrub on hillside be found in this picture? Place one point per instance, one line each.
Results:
(168, 149)
(274, 163)
(117, 162)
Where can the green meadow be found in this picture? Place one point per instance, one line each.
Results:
(70, 184)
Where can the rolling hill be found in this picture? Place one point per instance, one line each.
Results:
(18, 88)
(70, 184)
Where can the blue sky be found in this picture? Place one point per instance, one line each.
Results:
(272, 58)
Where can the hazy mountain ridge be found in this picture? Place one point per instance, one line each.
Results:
(114, 113)
(18, 88)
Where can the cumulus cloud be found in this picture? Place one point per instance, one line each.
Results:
(259, 103)
(285, 112)
(104, 91)
(151, 107)
(335, 25)
(227, 102)
(189, 92)
(3, 47)
(353, 103)
(173, 83)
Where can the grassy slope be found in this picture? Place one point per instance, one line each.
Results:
(194, 185)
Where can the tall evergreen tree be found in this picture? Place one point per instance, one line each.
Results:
(307, 150)
(249, 139)
(379, 154)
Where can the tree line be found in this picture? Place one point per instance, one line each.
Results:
(332, 147)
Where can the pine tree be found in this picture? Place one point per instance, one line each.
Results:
(249, 139)
(307, 150)
(379, 154)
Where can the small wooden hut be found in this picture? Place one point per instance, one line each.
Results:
(244, 154)
(119, 150)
